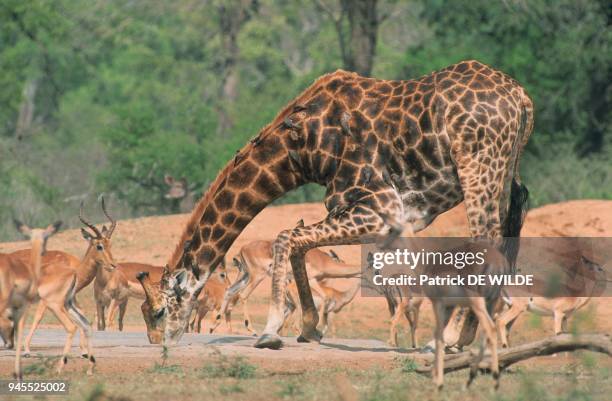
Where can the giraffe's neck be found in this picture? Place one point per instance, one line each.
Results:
(258, 175)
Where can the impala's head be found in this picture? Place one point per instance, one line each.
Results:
(177, 188)
(38, 238)
(99, 241)
(592, 276)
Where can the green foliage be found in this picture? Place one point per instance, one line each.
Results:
(231, 389)
(123, 93)
(224, 366)
(289, 390)
(41, 366)
(407, 365)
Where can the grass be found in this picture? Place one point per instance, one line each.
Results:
(42, 366)
(224, 366)
(234, 378)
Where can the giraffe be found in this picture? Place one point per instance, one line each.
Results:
(390, 154)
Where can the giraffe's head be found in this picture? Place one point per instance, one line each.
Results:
(167, 307)
(167, 304)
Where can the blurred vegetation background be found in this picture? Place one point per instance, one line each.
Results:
(121, 97)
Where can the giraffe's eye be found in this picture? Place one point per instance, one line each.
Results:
(158, 314)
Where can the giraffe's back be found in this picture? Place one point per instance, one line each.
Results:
(407, 128)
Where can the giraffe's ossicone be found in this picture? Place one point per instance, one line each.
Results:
(390, 153)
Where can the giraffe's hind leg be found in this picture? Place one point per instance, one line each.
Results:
(359, 223)
(483, 171)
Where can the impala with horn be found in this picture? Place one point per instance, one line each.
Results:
(59, 268)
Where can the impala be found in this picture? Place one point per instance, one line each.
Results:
(254, 261)
(19, 283)
(586, 274)
(58, 271)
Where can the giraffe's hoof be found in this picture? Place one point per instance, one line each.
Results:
(86, 356)
(271, 341)
(307, 337)
(26, 354)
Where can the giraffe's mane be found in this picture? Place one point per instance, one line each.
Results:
(200, 208)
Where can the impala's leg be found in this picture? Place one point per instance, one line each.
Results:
(239, 291)
(412, 314)
(112, 311)
(507, 317)
(7, 331)
(558, 321)
(248, 322)
(480, 310)
(19, 316)
(62, 315)
(399, 311)
(85, 327)
(100, 315)
(331, 318)
(122, 310)
(38, 315)
(192, 323)
(360, 222)
(438, 367)
(564, 328)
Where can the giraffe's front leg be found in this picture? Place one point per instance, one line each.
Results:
(276, 312)
(359, 223)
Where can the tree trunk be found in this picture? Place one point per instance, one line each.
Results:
(26, 110)
(509, 356)
(363, 31)
(232, 16)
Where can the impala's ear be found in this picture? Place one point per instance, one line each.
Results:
(52, 229)
(86, 234)
(168, 179)
(104, 231)
(22, 228)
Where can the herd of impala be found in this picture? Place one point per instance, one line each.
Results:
(53, 278)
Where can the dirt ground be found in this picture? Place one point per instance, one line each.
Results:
(361, 362)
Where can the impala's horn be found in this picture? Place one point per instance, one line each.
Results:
(93, 228)
(112, 221)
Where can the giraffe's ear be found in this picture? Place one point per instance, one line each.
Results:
(181, 278)
(195, 270)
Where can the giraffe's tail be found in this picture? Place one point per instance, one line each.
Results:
(519, 195)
